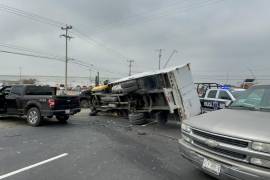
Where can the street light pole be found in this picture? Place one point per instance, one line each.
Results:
(66, 36)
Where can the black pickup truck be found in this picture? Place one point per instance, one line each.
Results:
(36, 102)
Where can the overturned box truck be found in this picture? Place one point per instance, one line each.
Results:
(150, 94)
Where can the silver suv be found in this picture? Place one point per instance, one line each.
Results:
(232, 143)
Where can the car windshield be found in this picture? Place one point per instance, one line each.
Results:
(256, 98)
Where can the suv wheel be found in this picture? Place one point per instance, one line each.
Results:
(33, 117)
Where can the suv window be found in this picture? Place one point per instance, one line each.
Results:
(18, 90)
(224, 95)
(212, 94)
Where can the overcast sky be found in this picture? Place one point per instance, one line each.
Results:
(218, 37)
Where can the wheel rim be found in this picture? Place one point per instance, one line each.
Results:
(33, 117)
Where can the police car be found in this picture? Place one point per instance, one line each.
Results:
(219, 98)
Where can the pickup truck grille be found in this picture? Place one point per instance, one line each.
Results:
(234, 155)
(222, 139)
(220, 145)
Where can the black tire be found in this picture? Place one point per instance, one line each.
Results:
(136, 118)
(33, 117)
(84, 103)
(130, 89)
(162, 117)
(62, 118)
(49, 117)
(109, 99)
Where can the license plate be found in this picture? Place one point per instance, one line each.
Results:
(67, 111)
(211, 166)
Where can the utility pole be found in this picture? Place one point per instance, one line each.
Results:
(90, 73)
(159, 57)
(66, 28)
(130, 66)
(20, 71)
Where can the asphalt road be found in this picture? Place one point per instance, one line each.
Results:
(101, 147)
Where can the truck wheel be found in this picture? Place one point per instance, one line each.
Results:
(84, 103)
(136, 118)
(162, 117)
(62, 118)
(33, 117)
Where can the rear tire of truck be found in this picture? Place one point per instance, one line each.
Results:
(162, 117)
(63, 118)
(137, 118)
(33, 117)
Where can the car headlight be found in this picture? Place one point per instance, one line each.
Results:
(262, 147)
(186, 128)
(260, 162)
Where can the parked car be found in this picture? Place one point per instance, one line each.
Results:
(153, 94)
(37, 102)
(232, 143)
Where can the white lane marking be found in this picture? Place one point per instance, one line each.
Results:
(32, 166)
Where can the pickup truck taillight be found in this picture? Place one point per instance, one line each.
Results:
(51, 103)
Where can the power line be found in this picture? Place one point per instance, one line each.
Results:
(9, 46)
(52, 22)
(154, 16)
(32, 55)
(61, 59)
(32, 16)
(170, 57)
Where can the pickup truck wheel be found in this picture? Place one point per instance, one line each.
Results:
(62, 118)
(84, 103)
(33, 117)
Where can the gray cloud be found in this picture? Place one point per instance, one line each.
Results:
(226, 36)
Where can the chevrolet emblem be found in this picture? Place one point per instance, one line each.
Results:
(211, 143)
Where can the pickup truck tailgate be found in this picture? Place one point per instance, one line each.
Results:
(66, 102)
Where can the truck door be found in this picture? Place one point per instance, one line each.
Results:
(224, 98)
(210, 99)
(12, 99)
